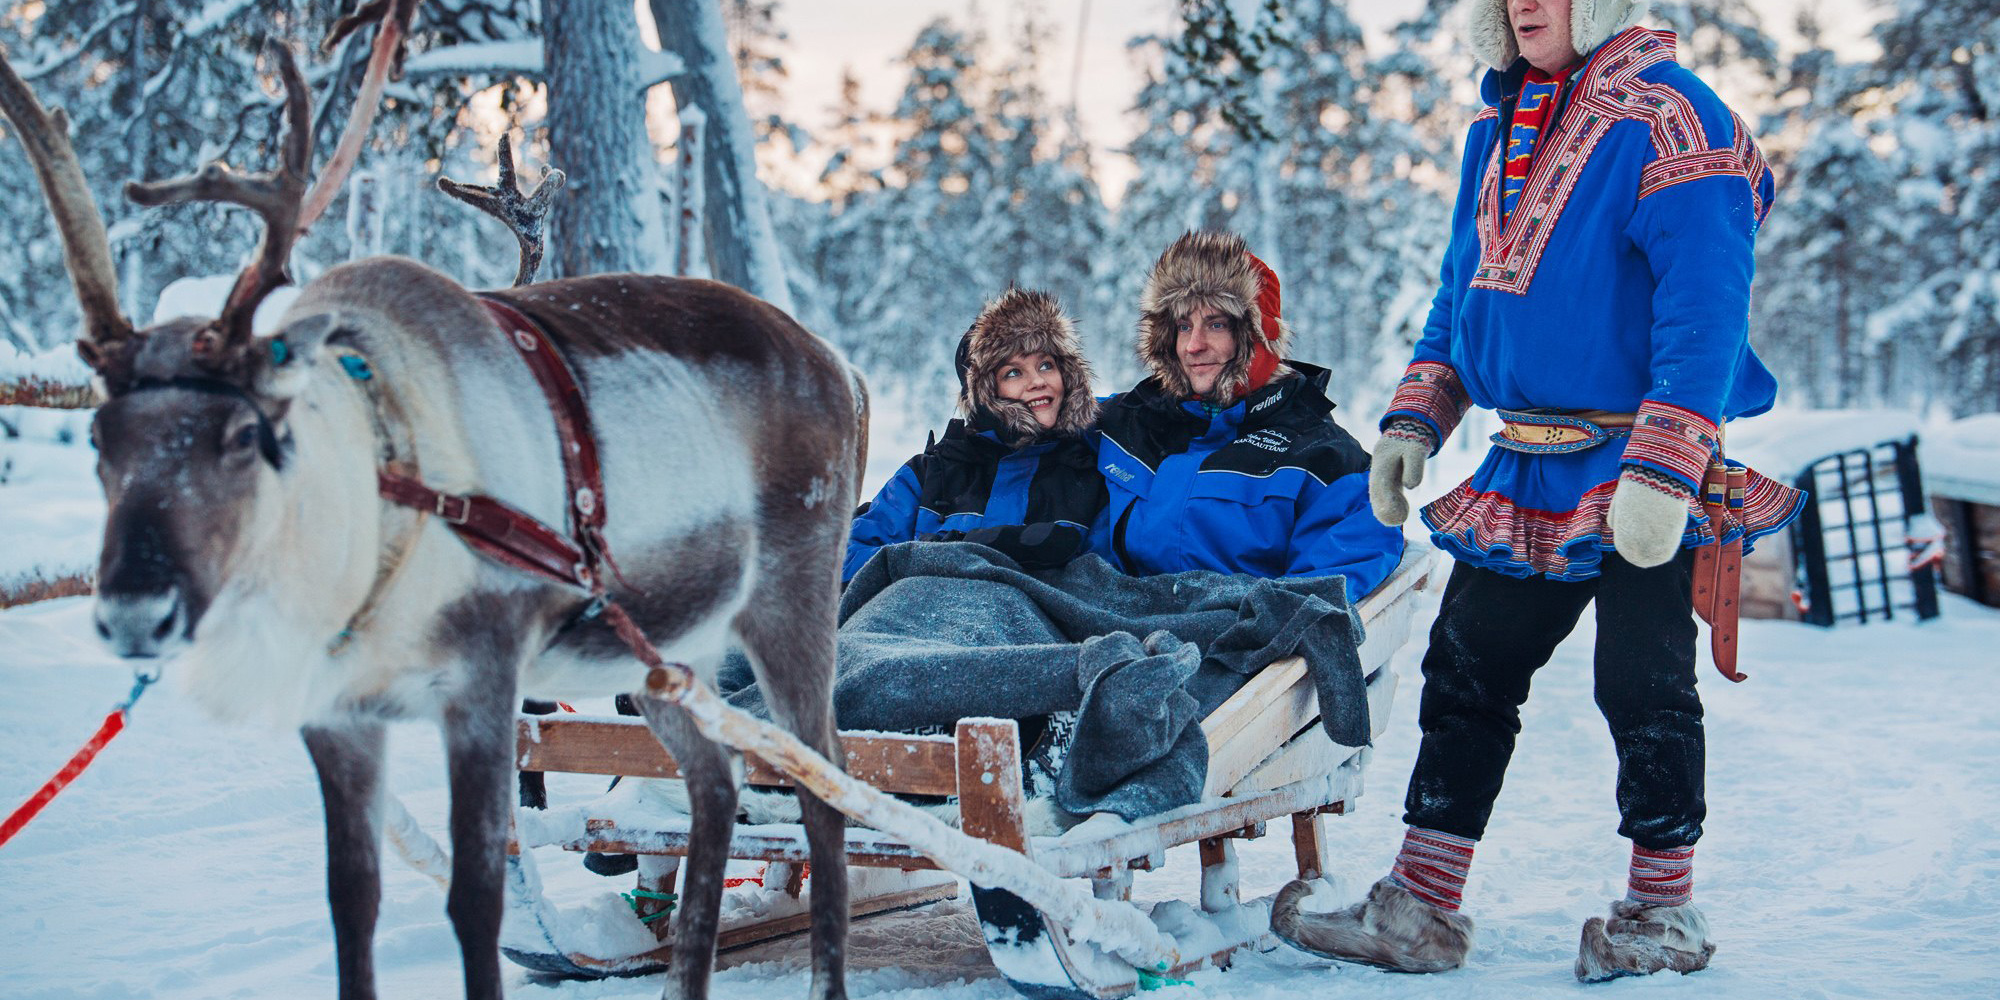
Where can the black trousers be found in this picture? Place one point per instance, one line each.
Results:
(1491, 635)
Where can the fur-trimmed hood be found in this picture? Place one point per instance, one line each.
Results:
(1215, 270)
(1021, 321)
(1591, 23)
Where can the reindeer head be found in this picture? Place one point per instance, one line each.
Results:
(194, 435)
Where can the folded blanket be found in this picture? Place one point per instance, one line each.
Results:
(931, 633)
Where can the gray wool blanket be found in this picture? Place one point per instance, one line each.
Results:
(931, 633)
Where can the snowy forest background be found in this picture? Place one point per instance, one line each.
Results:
(1333, 150)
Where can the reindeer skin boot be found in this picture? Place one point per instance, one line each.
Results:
(1640, 940)
(1391, 929)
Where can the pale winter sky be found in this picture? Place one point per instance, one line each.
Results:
(868, 35)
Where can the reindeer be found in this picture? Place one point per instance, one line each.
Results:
(260, 527)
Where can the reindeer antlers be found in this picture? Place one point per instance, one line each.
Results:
(280, 196)
(275, 196)
(86, 250)
(504, 201)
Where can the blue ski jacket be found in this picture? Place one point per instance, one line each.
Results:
(970, 479)
(1271, 487)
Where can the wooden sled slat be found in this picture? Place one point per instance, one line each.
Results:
(912, 765)
(659, 959)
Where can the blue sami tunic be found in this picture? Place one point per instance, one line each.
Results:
(1269, 487)
(1619, 282)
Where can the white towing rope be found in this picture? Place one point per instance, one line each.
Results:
(419, 851)
(1115, 926)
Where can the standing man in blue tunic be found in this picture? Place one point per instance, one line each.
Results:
(1596, 292)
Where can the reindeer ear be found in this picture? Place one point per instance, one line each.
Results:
(285, 360)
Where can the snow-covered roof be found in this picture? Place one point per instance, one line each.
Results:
(1961, 460)
(1780, 444)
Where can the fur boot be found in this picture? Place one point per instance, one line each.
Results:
(1391, 929)
(1640, 940)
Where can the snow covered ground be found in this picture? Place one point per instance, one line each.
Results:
(1854, 788)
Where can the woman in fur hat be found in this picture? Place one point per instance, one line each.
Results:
(1015, 473)
(1225, 458)
(1596, 292)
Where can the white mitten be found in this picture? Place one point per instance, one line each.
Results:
(1649, 515)
(1398, 465)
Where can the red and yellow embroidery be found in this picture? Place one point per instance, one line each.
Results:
(1609, 91)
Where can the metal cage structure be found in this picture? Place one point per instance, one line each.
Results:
(1856, 557)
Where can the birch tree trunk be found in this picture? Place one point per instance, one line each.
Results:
(742, 243)
(608, 218)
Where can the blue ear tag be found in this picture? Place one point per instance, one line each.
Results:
(357, 367)
(281, 352)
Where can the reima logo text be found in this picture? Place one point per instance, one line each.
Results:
(1112, 469)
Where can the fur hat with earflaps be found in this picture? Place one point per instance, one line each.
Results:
(1591, 23)
(1215, 270)
(1023, 322)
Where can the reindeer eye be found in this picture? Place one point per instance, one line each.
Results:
(246, 437)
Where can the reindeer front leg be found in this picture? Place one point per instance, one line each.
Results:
(711, 775)
(479, 743)
(349, 761)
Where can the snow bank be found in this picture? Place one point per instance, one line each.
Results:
(57, 364)
(1780, 444)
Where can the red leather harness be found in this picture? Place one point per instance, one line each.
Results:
(503, 532)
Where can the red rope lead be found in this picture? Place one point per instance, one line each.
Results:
(113, 724)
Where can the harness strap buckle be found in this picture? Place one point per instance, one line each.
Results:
(453, 509)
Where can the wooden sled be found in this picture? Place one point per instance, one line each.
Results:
(1268, 758)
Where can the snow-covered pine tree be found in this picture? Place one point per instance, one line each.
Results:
(1726, 43)
(1180, 141)
(1319, 84)
(850, 142)
(153, 88)
(1418, 103)
(1042, 219)
(756, 43)
(1941, 58)
(1837, 239)
(904, 262)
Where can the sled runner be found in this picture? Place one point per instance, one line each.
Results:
(1268, 759)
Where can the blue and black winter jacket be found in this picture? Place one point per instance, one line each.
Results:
(969, 480)
(1270, 486)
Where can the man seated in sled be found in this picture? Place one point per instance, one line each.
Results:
(1226, 457)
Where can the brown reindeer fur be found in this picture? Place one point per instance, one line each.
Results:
(1026, 322)
(1213, 270)
(1640, 940)
(1390, 929)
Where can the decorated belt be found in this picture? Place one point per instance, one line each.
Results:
(1557, 432)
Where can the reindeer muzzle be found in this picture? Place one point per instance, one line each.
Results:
(142, 625)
